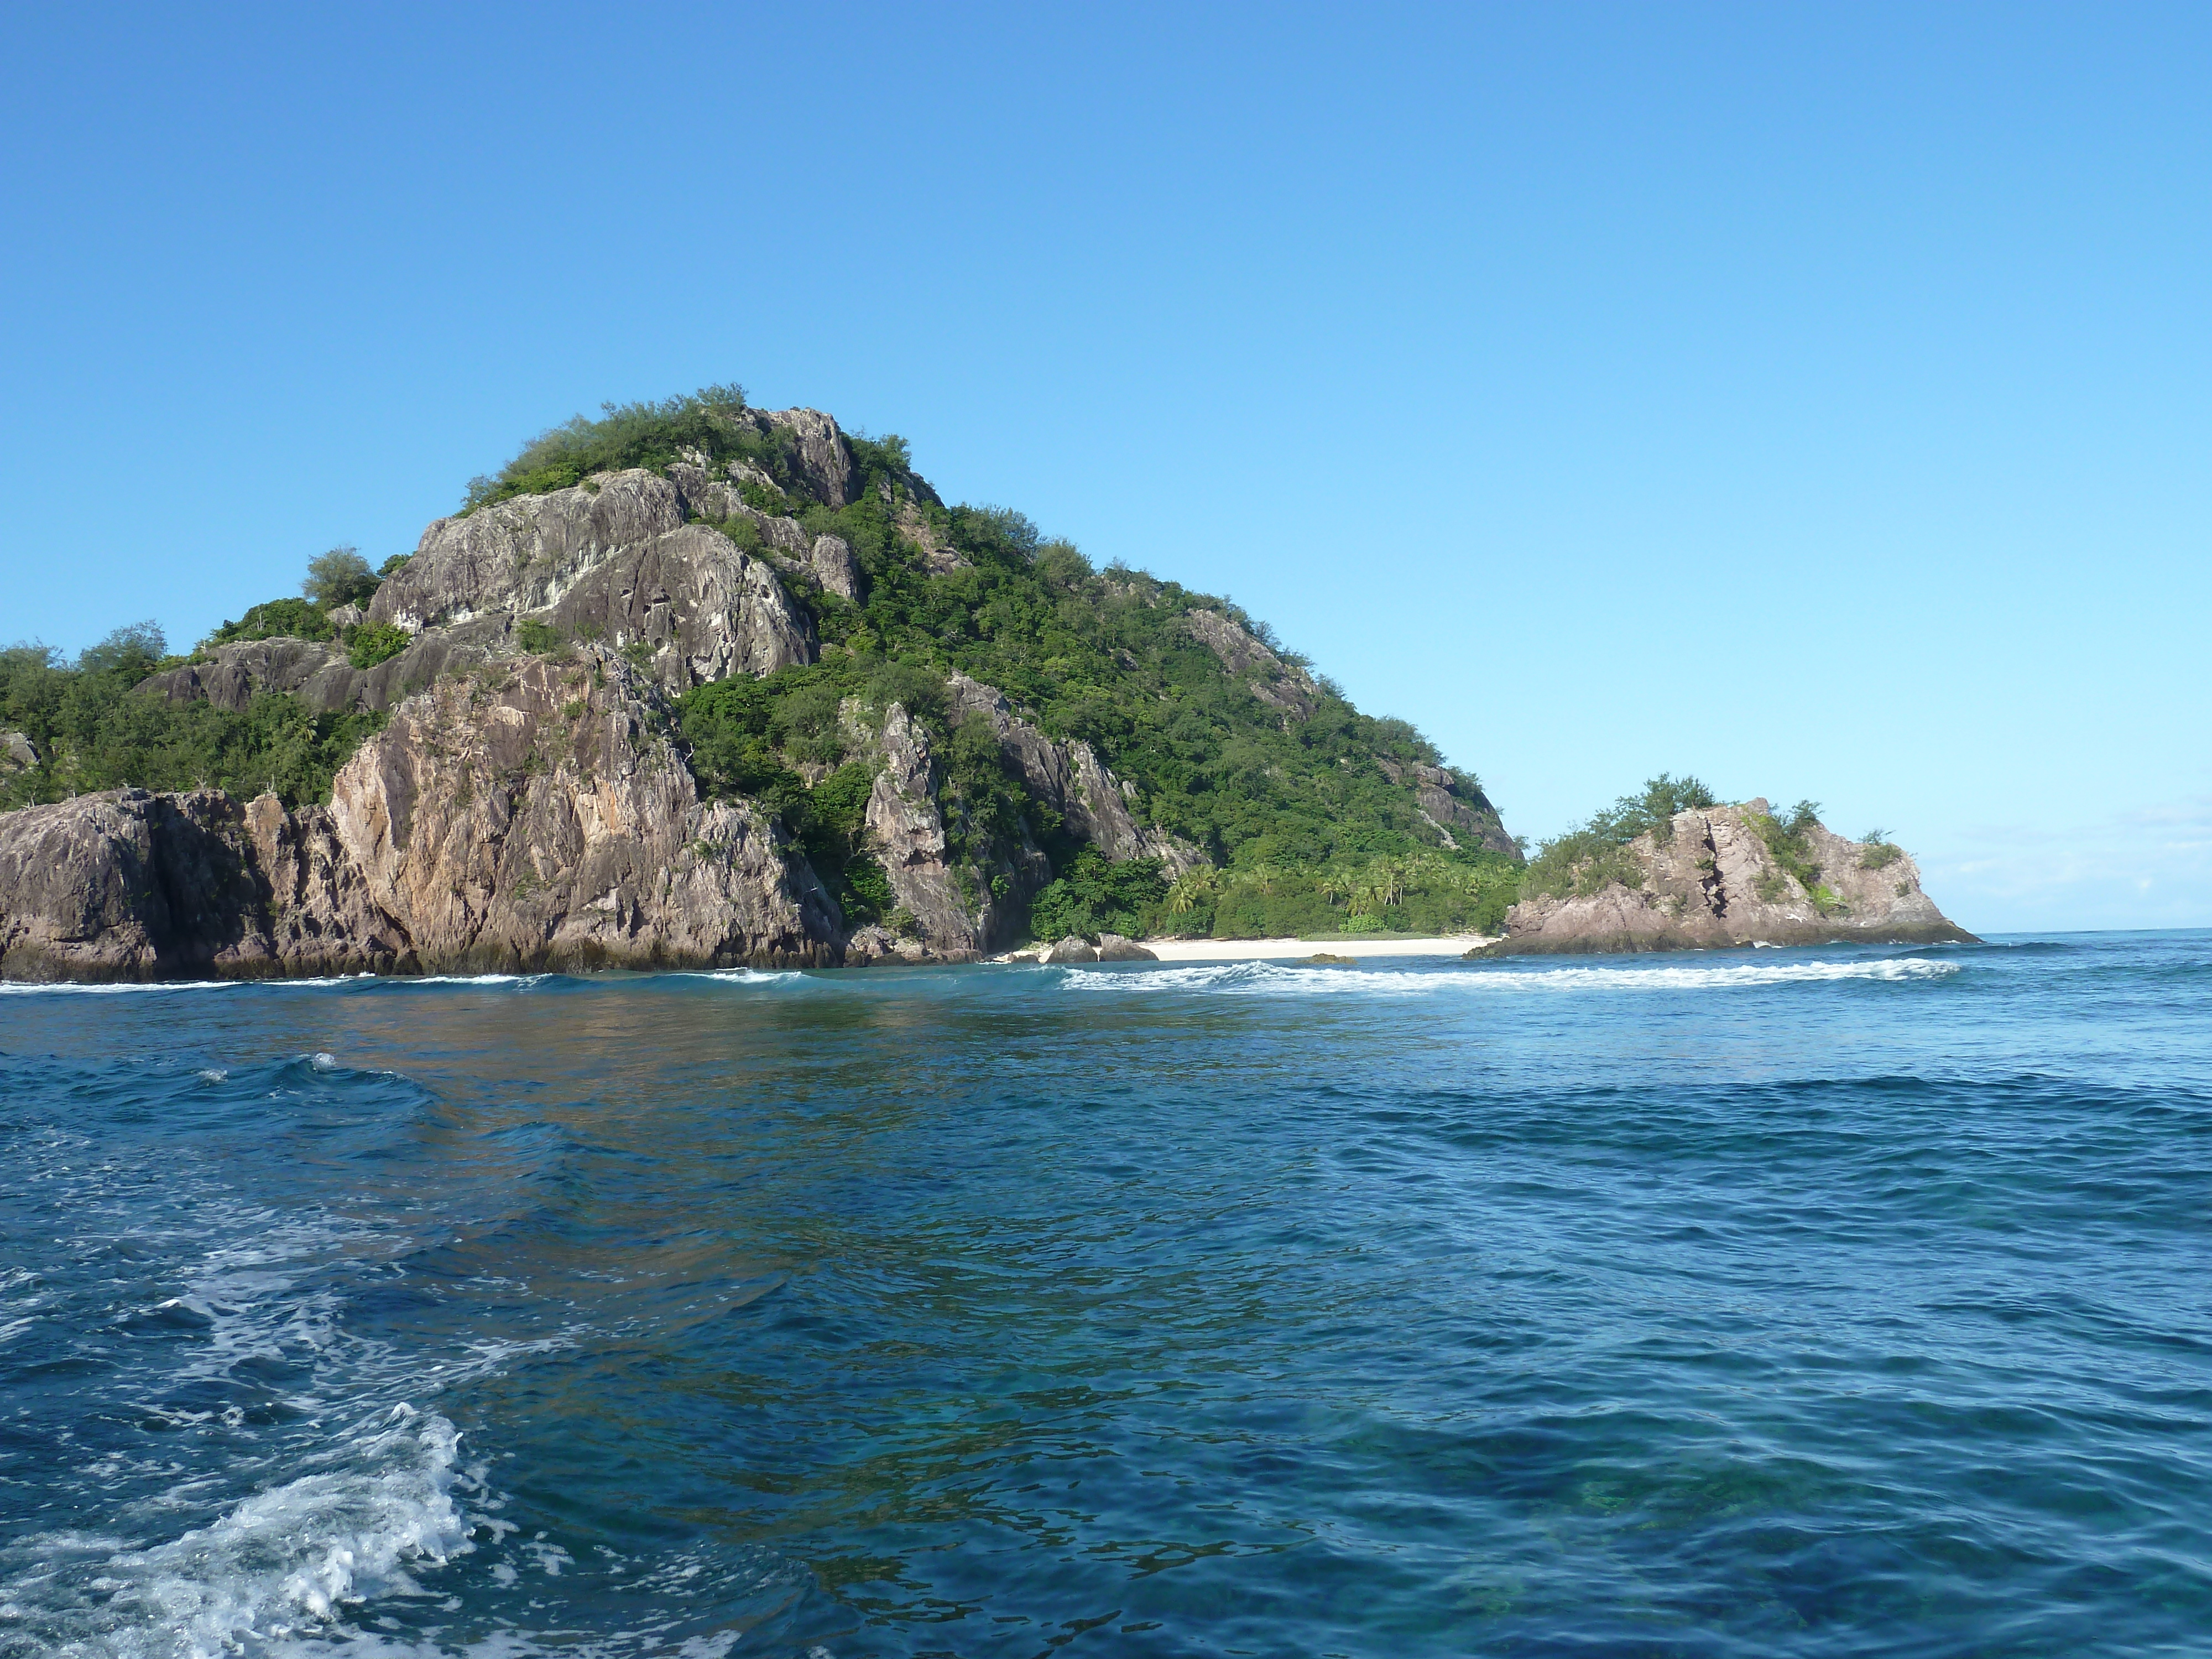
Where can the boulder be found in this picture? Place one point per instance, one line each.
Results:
(1113, 947)
(1071, 949)
(17, 753)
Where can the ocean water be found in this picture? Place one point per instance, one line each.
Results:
(1785, 1302)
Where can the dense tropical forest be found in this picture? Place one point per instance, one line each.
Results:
(1303, 828)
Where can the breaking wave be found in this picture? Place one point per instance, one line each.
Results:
(1280, 979)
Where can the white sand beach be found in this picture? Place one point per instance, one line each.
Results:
(1291, 950)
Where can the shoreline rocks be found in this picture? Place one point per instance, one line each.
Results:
(535, 815)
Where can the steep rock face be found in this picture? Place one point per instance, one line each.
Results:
(1461, 821)
(532, 815)
(959, 914)
(129, 885)
(1716, 883)
(1071, 780)
(541, 817)
(317, 914)
(1281, 685)
(824, 460)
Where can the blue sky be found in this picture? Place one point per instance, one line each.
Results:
(1813, 398)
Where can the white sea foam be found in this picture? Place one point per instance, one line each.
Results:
(1279, 979)
(170, 986)
(749, 975)
(283, 1564)
(26, 988)
(469, 979)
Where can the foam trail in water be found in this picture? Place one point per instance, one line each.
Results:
(283, 1564)
(1268, 978)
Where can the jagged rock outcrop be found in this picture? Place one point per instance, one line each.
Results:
(1717, 880)
(533, 815)
(830, 558)
(822, 458)
(320, 674)
(521, 554)
(621, 563)
(1282, 686)
(1457, 810)
(705, 610)
(906, 829)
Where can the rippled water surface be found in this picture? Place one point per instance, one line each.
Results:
(1779, 1304)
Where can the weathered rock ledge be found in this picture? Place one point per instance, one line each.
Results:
(1715, 883)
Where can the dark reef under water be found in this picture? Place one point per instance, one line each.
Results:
(1790, 1303)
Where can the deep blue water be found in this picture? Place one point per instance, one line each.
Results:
(1800, 1302)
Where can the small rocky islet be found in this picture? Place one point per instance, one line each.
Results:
(762, 699)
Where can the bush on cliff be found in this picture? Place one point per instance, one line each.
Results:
(338, 577)
(370, 643)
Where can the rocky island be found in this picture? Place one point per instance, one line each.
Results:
(699, 685)
(1674, 870)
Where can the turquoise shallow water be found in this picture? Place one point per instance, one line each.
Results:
(1798, 1302)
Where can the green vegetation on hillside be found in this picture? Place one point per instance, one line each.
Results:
(94, 730)
(1298, 812)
